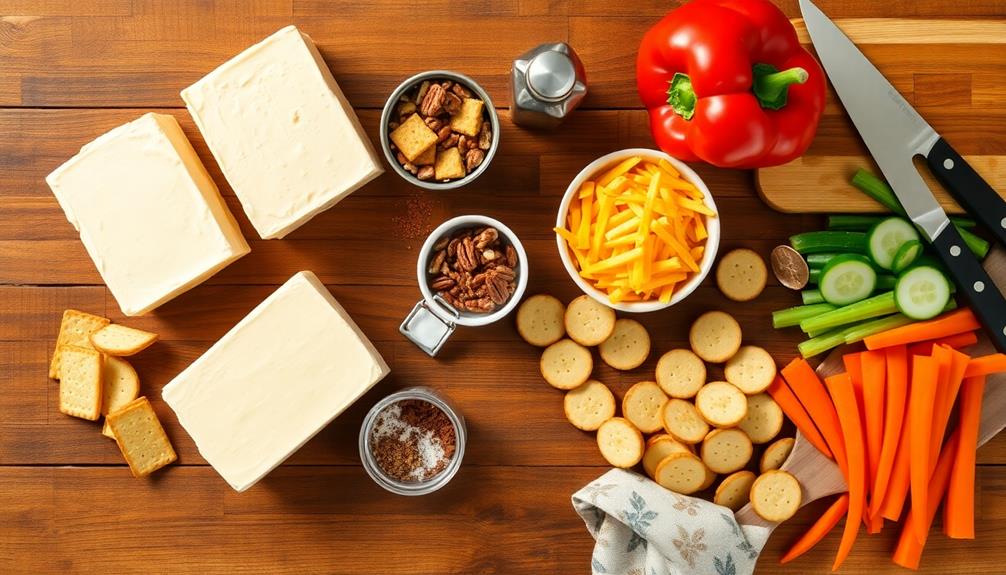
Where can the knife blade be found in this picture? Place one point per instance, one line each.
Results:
(895, 133)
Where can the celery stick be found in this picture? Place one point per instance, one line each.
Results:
(819, 260)
(811, 296)
(875, 306)
(866, 329)
(885, 282)
(822, 343)
(977, 245)
(794, 315)
(821, 242)
(852, 222)
(815, 274)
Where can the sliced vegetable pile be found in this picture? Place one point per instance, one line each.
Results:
(884, 420)
(870, 274)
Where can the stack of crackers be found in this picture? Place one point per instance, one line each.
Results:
(95, 381)
(698, 430)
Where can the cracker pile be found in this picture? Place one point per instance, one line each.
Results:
(698, 430)
(95, 381)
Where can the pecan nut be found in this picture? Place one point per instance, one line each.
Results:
(485, 136)
(474, 159)
(467, 260)
(442, 283)
(438, 260)
(452, 103)
(425, 173)
(486, 237)
(434, 123)
(499, 289)
(511, 257)
(433, 100)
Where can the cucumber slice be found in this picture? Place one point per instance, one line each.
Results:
(846, 279)
(906, 256)
(886, 238)
(922, 292)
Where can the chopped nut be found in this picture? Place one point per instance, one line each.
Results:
(474, 159)
(425, 173)
(446, 84)
(421, 93)
(461, 91)
(406, 109)
(452, 104)
(441, 243)
(485, 136)
(433, 100)
(401, 158)
(410, 167)
(434, 123)
(486, 237)
(444, 133)
(438, 260)
(489, 255)
(450, 142)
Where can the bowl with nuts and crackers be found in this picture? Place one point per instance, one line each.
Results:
(439, 130)
(637, 230)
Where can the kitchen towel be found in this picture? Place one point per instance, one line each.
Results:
(641, 528)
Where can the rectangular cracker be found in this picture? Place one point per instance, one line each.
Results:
(80, 387)
(75, 329)
(141, 438)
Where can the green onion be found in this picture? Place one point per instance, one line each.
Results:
(829, 241)
(794, 315)
(811, 296)
(875, 306)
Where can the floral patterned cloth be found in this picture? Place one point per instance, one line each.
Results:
(643, 529)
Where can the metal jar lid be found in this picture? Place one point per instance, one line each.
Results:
(551, 75)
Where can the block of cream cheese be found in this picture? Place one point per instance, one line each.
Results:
(147, 212)
(274, 380)
(282, 132)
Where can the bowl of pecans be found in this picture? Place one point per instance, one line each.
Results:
(439, 130)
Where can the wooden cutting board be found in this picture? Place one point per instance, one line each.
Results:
(952, 71)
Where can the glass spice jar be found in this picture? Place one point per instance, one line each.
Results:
(379, 450)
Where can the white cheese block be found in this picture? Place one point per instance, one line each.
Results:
(148, 213)
(274, 380)
(282, 132)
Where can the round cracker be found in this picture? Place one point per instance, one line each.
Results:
(683, 422)
(726, 450)
(715, 336)
(621, 444)
(588, 322)
(627, 347)
(681, 473)
(751, 369)
(681, 373)
(763, 420)
(642, 405)
(566, 364)
(741, 274)
(776, 495)
(657, 450)
(540, 320)
(589, 405)
(721, 404)
(710, 478)
(776, 454)
(734, 490)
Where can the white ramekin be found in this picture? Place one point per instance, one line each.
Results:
(712, 227)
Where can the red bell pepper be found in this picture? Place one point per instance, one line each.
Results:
(727, 82)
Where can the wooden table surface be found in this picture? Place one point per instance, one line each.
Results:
(72, 69)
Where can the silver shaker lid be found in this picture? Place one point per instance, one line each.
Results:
(551, 75)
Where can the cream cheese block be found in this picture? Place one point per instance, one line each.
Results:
(147, 212)
(274, 380)
(283, 133)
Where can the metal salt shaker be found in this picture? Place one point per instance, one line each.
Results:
(546, 84)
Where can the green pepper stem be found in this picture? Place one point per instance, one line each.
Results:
(771, 87)
(681, 96)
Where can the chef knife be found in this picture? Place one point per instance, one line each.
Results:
(895, 133)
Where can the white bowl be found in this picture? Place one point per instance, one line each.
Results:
(712, 227)
(465, 317)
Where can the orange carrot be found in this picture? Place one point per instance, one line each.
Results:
(791, 406)
(874, 384)
(908, 553)
(986, 365)
(948, 390)
(819, 529)
(894, 413)
(808, 388)
(959, 511)
(925, 374)
(952, 323)
(897, 488)
(958, 341)
(944, 361)
(840, 387)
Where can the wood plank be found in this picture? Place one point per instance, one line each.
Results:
(66, 7)
(654, 9)
(926, 31)
(396, 9)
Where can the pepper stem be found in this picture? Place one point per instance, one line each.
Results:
(681, 96)
(771, 86)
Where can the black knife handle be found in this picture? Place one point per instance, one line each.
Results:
(973, 193)
(974, 284)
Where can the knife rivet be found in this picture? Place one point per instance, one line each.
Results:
(979, 287)
(948, 164)
(955, 251)
(1003, 223)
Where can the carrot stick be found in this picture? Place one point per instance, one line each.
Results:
(958, 341)
(959, 511)
(897, 488)
(947, 396)
(844, 397)
(894, 414)
(908, 553)
(874, 384)
(819, 529)
(925, 373)
(944, 362)
(814, 397)
(986, 365)
(952, 323)
(791, 406)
